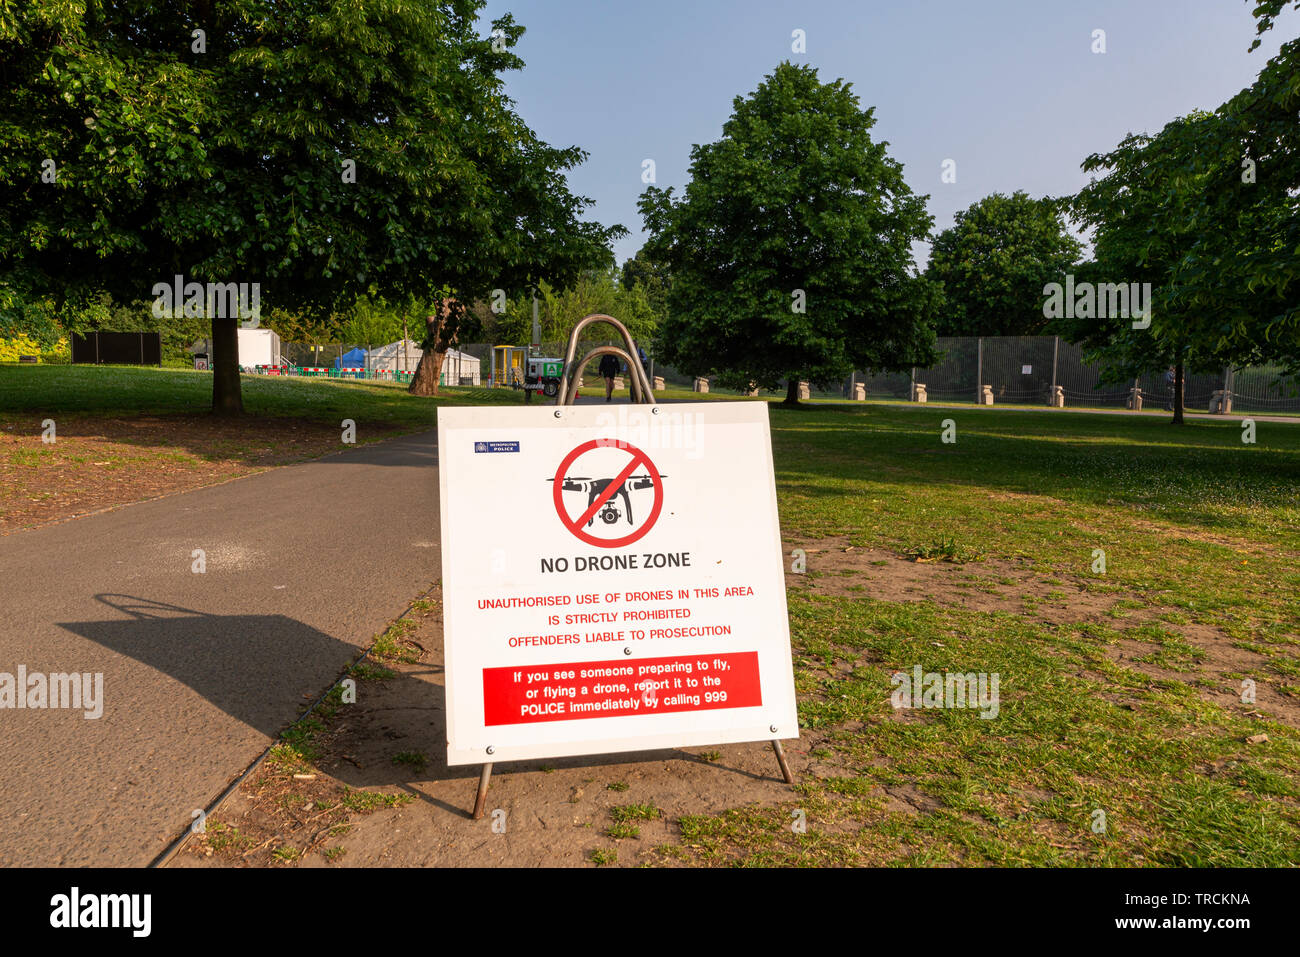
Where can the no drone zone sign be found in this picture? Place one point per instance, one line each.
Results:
(612, 580)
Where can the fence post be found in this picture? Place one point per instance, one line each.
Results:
(1056, 351)
(979, 370)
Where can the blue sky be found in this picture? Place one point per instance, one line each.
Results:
(1009, 89)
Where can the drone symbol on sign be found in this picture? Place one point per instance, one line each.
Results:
(608, 512)
(605, 494)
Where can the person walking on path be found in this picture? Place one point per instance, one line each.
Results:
(1170, 379)
(609, 369)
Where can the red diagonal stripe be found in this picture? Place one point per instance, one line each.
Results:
(609, 491)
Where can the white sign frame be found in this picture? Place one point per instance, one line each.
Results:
(496, 531)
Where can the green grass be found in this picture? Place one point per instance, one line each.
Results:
(388, 646)
(127, 390)
(367, 672)
(415, 760)
(1197, 529)
(355, 800)
(944, 550)
(634, 812)
(221, 835)
(1187, 514)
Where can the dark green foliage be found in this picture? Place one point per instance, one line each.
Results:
(1207, 212)
(994, 261)
(794, 200)
(227, 165)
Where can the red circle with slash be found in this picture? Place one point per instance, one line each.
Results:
(639, 459)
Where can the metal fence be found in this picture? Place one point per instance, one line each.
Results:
(353, 355)
(1018, 370)
(470, 364)
(1026, 370)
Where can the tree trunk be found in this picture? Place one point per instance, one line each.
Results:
(439, 336)
(425, 380)
(1178, 394)
(792, 391)
(227, 397)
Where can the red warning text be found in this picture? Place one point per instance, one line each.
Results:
(609, 689)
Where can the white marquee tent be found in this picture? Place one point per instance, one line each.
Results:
(394, 358)
(456, 365)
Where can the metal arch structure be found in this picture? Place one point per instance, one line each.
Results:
(642, 394)
(641, 391)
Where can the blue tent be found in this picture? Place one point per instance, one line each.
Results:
(354, 359)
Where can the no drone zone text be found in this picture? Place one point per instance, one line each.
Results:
(607, 563)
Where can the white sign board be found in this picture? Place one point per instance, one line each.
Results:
(612, 580)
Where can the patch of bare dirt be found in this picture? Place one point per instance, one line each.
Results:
(390, 746)
(539, 813)
(98, 463)
(910, 800)
(1217, 675)
(837, 568)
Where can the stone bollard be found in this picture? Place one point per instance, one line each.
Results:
(752, 391)
(658, 383)
(1057, 399)
(618, 382)
(804, 391)
(986, 395)
(918, 392)
(578, 384)
(1220, 402)
(1135, 399)
(859, 392)
(700, 385)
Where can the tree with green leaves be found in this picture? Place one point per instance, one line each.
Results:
(641, 271)
(317, 149)
(994, 261)
(559, 310)
(1235, 181)
(1207, 212)
(1137, 239)
(790, 250)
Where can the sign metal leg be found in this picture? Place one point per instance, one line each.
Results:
(780, 759)
(480, 798)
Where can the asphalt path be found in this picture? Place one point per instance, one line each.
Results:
(201, 671)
